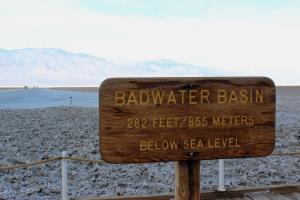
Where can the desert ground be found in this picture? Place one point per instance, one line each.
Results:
(36, 134)
(78, 89)
(10, 88)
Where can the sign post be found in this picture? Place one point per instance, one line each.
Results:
(186, 120)
(187, 175)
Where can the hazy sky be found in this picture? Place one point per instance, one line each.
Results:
(251, 37)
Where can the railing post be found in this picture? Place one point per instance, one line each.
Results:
(221, 175)
(64, 176)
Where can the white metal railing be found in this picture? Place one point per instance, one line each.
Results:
(64, 168)
(64, 176)
(221, 187)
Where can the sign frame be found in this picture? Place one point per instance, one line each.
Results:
(130, 94)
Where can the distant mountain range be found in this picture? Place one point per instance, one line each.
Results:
(57, 67)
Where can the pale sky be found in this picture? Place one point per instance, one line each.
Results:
(250, 37)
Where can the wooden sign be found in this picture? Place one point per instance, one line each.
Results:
(173, 119)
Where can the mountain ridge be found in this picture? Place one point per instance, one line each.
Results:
(58, 67)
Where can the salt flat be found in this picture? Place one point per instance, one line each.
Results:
(39, 133)
(41, 98)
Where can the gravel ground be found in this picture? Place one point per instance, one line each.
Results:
(35, 134)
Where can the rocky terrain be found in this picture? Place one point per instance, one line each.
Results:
(36, 134)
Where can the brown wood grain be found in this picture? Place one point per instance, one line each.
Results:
(237, 193)
(242, 193)
(187, 175)
(120, 143)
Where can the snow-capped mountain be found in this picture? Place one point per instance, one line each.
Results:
(56, 67)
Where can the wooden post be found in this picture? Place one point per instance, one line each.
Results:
(187, 174)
